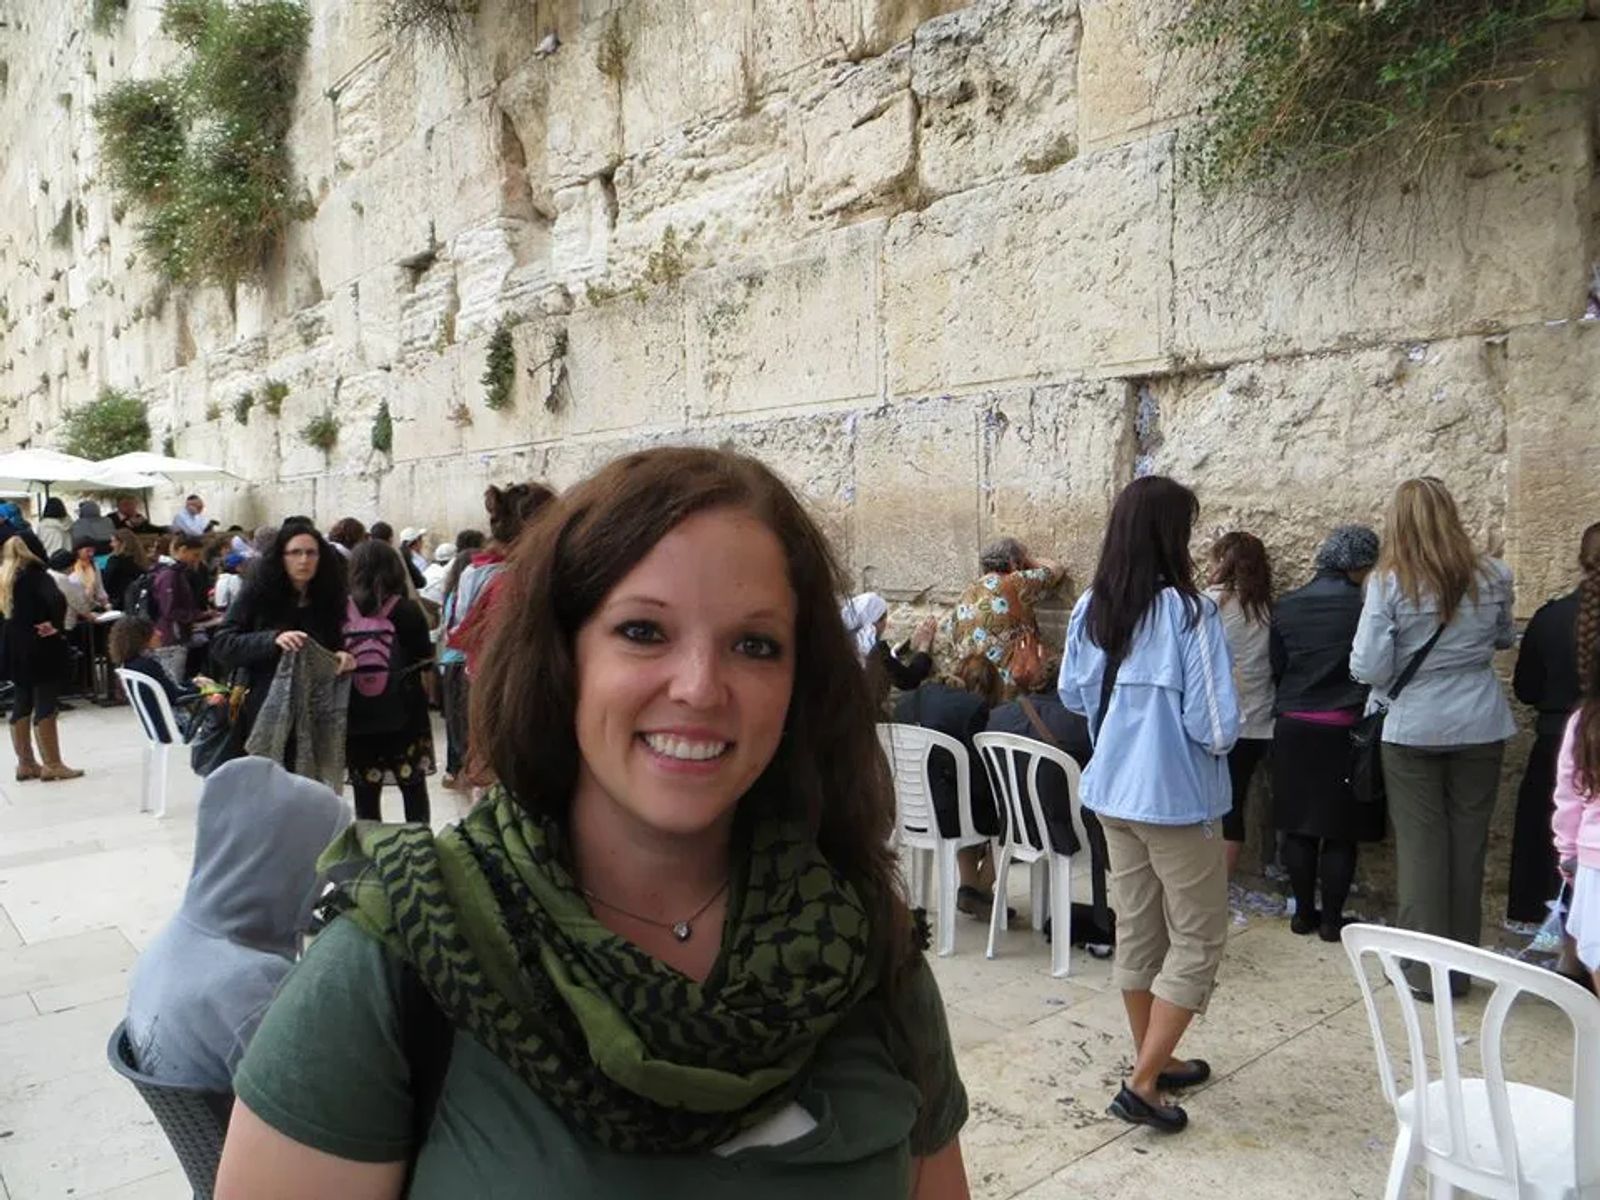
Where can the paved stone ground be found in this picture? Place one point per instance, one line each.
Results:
(1294, 1110)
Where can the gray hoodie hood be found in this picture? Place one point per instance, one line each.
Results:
(256, 842)
(199, 990)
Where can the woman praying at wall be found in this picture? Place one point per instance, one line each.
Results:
(1147, 664)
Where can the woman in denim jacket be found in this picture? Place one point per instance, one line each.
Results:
(1445, 736)
(1147, 663)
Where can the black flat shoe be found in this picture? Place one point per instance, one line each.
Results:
(1331, 928)
(1173, 1081)
(1136, 1110)
(1304, 923)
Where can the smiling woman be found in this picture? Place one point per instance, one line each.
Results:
(673, 937)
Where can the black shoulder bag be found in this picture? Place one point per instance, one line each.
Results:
(1366, 737)
(1108, 684)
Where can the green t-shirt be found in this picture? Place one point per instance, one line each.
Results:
(328, 1069)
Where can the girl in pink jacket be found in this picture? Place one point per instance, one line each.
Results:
(1577, 813)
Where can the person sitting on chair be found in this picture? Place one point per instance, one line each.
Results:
(130, 645)
(200, 989)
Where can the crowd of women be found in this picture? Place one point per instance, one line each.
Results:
(672, 929)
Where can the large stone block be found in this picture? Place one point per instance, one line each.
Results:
(816, 456)
(584, 115)
(429, 395)
(916, 521)
(996, 92)
(799, 333)
(857, 129)
(1063, 273)
(1254, 441)
(581, 235)
(675, 62)
(1553, 417)
(1053, 460)
(1129, 81)
(1489, 240)
(625, 364)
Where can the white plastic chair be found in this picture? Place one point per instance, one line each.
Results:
(1013, 764)
(909, 748)
(1484, 1136)
(155, 714)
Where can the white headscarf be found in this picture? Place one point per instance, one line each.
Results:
(861, 615)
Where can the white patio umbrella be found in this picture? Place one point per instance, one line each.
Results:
(48, 468)
(177, 470)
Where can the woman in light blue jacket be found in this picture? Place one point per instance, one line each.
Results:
(1147, 663)
(1445, 736)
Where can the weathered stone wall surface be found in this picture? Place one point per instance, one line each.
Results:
(937, 261)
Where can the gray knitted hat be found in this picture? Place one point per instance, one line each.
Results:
(1348, 548)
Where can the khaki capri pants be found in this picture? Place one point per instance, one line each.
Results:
(1169, 887)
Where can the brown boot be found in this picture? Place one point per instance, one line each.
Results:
(22, 744)
(50, 752)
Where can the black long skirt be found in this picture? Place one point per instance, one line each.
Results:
(1311, 784)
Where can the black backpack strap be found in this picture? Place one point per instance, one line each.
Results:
(427, 1037)
(1414, 664)
(1108, 684)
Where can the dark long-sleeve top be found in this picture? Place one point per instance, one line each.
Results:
(30, 659)
(905, 675)
(176, 696)
(1547, 665)
(117, 574)
(247, 640)
(176, 607)
(1312, 630)
(957, 714)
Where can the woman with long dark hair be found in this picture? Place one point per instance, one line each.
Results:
(127, 562)
(668, 954)
(1436, 600)
(1240, 584)
(295, 594)
(1147, 664)
(390, 738)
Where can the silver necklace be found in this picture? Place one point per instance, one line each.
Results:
(682, 930)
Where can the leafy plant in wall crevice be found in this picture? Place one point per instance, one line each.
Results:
(202, 151)
(1296, 88)
(321, 432)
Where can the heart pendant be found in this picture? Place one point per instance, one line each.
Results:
(681, 931)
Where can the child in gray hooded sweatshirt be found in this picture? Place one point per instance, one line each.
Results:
(200, 989)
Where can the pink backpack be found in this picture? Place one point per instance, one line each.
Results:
(371, 641)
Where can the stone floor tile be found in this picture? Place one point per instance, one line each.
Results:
(16, 1008)
(132, 888)
(73, 1135)
(59, 961)
(107, 986)
(10, 939)
(169, 1185)
(39, 1049)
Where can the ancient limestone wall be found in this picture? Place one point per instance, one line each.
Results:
(936, 261)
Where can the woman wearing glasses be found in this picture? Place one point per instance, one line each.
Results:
(295, 594)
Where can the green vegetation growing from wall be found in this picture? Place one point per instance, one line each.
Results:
(273, 393)
(383, 429)
(203, 150)
(441, 22)
(107, 13)
(113, 423)
(1300, 86)
(500, 373)
(242, 405)
(321, 431)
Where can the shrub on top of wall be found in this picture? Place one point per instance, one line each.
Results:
(113, 423)
(203, 150)
(1297, 87)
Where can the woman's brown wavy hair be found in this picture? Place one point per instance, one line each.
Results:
(569, 557)
(1241, 565)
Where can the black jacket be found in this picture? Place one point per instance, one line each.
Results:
(960, 715)
(1312, 629)
(1547, 665)
(28, 658)
(117, 574)
(247, 641)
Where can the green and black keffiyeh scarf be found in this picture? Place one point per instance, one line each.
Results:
(632, 1053)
